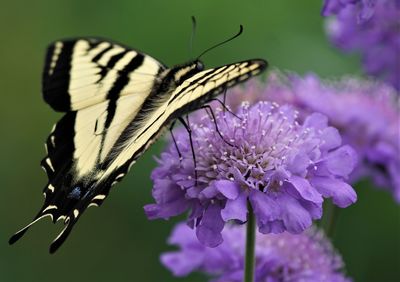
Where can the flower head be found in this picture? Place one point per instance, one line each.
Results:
(283, 169)
(371, 28)
(279, 257)
(366, 113)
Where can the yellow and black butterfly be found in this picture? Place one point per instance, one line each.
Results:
(117, 101)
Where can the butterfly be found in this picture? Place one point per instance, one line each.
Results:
(116, 101)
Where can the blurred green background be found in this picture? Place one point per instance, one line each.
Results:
(116, 242)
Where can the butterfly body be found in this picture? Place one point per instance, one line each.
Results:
(117, 101)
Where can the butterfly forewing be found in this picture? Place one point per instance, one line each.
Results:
(117, 101)
(197, 89)
(82, 72)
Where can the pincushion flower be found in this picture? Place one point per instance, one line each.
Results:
(371, 28)
(279, 257)
(367, 114)
(283, 169)
(368, 117)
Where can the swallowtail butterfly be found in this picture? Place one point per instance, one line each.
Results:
(116, 101)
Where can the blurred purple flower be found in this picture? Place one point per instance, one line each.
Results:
(366, 113)
(283, 168)
(371, 27)
(279, 257)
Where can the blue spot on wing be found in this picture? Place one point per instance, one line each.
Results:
(75, 193)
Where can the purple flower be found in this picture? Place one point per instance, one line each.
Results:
(282, 168)
(279, 257)
(371, 27)
(366, 113)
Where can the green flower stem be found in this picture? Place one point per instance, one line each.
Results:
(250, 246)
(330, 219)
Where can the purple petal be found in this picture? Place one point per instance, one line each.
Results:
(299, 163)
(342, 194)
(229, 189)
(265, 209)
(342, 161)
(295, 217)
(306, 191)
(209, 230)
(196, 213)
(233, 276)
(314, 209)
(331, 138)
(194, 192)
(235, 209)
(152, 211)
(182, 263)
(209, 192)
(274, 226)
(317, 121)
(166, 210)
(182, 235)
(237, 175)
(166, 191)
(170, 200)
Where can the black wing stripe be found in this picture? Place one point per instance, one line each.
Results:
(206, 74)
(63, 62)
(114, 59)
(104, 70)
(101, 54)
(199, 81)
(119, 85)
(62, 141)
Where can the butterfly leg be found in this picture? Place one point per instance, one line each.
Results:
(224, 100)
(173, 138)
(189, 130)
(216, 125)
(225, 107)
(209, 115)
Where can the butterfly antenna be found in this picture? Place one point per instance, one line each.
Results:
(223, 42)
(194, 24)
